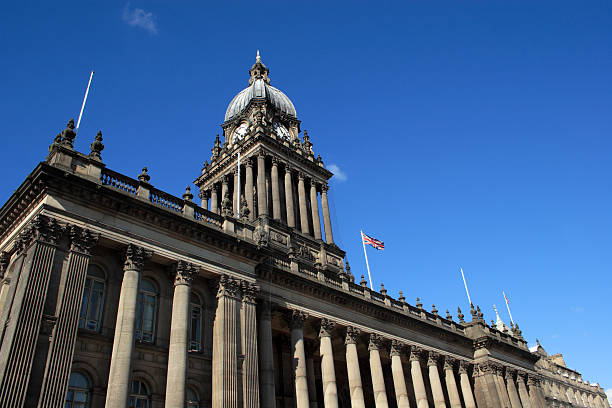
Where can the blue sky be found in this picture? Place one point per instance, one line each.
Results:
(473, 133)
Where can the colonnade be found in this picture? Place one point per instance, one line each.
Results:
(571, 393)
(273, 188)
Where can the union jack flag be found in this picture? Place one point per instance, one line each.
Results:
(376, 243)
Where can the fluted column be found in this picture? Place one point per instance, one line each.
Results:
(397, 370)
(498, 373)
(224, 186)
(179, 335)
(248, 188)
(236, 195)
(522, 390)
(299, 358)
(123, 344)
(417, 378)
(590, 399)
(266, 356)
(5, 282)
(303, 207)
(225, 345)
(262, 194)
(276, 209)
(310, 371)
(466, 387)
(515, 401)
(250, 366)
(328, 374)
(451, 384)
(534, 398)
(434, 380)
(314, 207)
(352, 368)
(289, 197)
(378, 379)
(571, 396)
(329, 236)
(214, 198)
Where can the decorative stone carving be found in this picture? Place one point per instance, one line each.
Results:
(352, 335)
(278, 237)
(432, 359)
(68, 134)
(227, 286)
(216, 150)
(533, 381)
(249, 292)
(204, 195)
(82, 240)
(226, 205)
(449, 363)
(415, 353)
(481, 342)
(510, 374)
(47, 325)
(144, 176)
(460, 315)
(303, 251)
(185, 273)
(42, 229)
(375, 342)
(297, 318)
(244, 208)
(396, 348)
(4, 263)
(419, 304)
(261, 236)
(326, 328)
(463, 367)
(96, 147)
(135, 257)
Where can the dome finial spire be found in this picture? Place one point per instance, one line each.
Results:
(258, 58)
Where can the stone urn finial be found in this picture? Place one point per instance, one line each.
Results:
(187, 196)
(69, 134)
(96, 146)
(144, 176)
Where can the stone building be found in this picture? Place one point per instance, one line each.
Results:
(115, 293)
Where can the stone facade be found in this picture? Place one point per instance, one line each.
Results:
(117, 294)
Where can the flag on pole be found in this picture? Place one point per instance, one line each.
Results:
(376, 243)
(508, 303)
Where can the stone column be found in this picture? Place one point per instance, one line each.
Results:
(214, 198)
(466, 388)
(451, 384)
(434, 380)
(5, 282)
(515, 401)
(289, 197)
(123, 344)
(417, 378)
(522, 390)
(276, 209)
(248, 189)
(571, 396)
(534, 397)
(314, 207)
(236, 195)
(224, 186)
(352, 368)
(378, 379)
(399, 381)
(310, 371)
(204, 196)
(266, 357)
(262, 194)
(329, 237)
(486, 386)
(179, 335)
(59, 360)
(590, 400)
(303, 206)
(328, 374)
(498, 373)
(225, 345)
(250, 366)
(299, 358)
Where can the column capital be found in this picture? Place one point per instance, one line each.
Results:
(261, 153)
(184, 273)
(225, 179)
(324, 187)
(275, 161)
(42, 229)
(352, 335)
(521, 375)
(463, 366)
(296, 319)
(204, 194)
(82, 240)
(449, 363)
(396, 347)
(249, 292)
(4, 262)
(415, 353)
(375, 342)
(248, 162)
(432, 359)
(235, 172)
(301, 175)
(135, 257)
(228, 286)
(326, 328)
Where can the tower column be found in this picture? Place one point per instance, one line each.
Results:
(204, 196)
(123, 344)
(329, 237)
(266, 357)
(214, 198)
(236, 195)
(224, 188)
(498, 372)
(434, 379)
(417, 378)
(352, 368)
(248, 190)
(535, 397)
(303, 206)
(515, 401)
(179, 336)
(289, 197)
(399, 381)
(328, 374)
(262, 194)
(299, 358)
(378, 379)
(314, 207)
(250, 369)
(522, 390)
(276, 210)
(451, 384)
(466, 388)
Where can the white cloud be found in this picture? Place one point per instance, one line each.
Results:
(140, 18)
(338, 173)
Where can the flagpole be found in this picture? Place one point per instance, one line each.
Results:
(508, 306)
(84, 100)
(365, 253)
(238, 195)
(466, 288)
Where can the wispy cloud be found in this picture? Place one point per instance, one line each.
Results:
(338, 173)
(137, 17)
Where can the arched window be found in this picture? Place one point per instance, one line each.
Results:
(195, 323)
(78, 391)
(192, 400)
(140, 396)
(93, 299)
(147, 311)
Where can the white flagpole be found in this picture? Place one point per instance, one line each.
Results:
(367, 263)
(508, 306)
(84, 100)
(238, 195)
(466, 288)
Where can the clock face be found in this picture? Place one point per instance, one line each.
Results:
(281, 131)
(240, 131)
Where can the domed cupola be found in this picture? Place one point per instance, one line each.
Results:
(260, 88)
